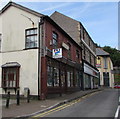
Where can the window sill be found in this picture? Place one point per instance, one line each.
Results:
(10, 87)
(30, 48)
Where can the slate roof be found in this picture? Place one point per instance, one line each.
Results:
(101, 52)
(68, 24)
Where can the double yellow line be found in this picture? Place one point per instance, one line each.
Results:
(55, 109)
(62, 106)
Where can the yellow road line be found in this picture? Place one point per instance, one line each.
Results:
(57, 109)
(52, 111)
(63, 106)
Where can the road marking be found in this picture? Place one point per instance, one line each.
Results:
(62, 106)
(42, 115)
(56, 109)
(117, 112)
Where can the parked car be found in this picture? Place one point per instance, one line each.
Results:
(117, 86)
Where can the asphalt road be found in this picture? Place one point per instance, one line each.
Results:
(100, 104)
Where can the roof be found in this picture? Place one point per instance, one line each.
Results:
(71, 26)
(68, 24)
(101, 52)
(61, 29)
(37, 14)
(20, 7)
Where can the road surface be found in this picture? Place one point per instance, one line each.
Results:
(98, 104)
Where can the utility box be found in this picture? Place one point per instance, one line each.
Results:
(26, 91)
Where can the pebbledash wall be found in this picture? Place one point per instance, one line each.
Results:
(14, 24)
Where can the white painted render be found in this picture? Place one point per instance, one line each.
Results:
(28, 70)
(13, 28)
(101, 70)
(14, 25)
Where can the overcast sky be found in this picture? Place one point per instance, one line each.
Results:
(99, 18)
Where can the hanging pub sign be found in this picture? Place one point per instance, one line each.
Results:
(57, 53)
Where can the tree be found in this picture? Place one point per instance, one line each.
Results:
(114, 55)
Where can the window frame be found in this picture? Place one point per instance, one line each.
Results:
(53, 74)
(30, 35)
(105, 63)
(6, 72)
(77, 55)
(69, 51)
(54, 39)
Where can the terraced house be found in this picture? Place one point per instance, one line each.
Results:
(28, 41)
(79, 34)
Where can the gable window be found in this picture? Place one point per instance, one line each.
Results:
(31, 38)
(55, 39)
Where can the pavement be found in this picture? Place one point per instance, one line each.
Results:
(37, 106)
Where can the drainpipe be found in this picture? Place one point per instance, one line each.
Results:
(39, 55)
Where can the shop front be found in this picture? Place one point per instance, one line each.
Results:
(91, 77)
(62, 76)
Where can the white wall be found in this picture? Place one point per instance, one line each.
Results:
(13, 45)
(101, 70)
(14, 25)
(28, 70)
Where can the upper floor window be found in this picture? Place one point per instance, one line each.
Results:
(77, 54)
(105, 63)
(69, 51)
(0, 41)
(55, 39)
(31, 38)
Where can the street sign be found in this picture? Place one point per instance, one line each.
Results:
(57, 53)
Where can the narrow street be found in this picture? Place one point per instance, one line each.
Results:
(99, 104)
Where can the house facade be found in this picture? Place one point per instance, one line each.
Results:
(28, 40)
(105, 67)
(79, 34)
(19, 62)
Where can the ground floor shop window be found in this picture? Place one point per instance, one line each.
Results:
(77, 82)
(87, 81)
(10, 77)
(62, 78)
(62, 75)
(70, 78)
(53, 76)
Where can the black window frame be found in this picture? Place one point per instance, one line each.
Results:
(54, 39)
(30, 42)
